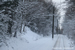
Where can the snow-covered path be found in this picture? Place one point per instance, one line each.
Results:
(60, 42)
(45, 43)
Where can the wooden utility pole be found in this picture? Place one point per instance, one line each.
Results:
(53, 24)
(57, 26)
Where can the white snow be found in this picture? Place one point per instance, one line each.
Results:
(30, 36)
(21, 41)
(31, 41)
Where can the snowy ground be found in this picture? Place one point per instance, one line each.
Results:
(32, 41)
(45, 43)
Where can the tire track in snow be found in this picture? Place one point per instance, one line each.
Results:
(63, 43)
(57, 44)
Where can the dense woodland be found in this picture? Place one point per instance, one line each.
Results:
(69, 23)
(15, 15)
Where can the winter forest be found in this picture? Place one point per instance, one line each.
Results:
(25, 24)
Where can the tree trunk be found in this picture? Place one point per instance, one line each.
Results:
(24, 28)
(15, 34)
(21, 28)
(10, 27)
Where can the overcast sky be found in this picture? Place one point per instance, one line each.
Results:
(58, 1)
(60, 6)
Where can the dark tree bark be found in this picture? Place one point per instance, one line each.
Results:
(24, 28)
(15, 34)
(9, 27)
